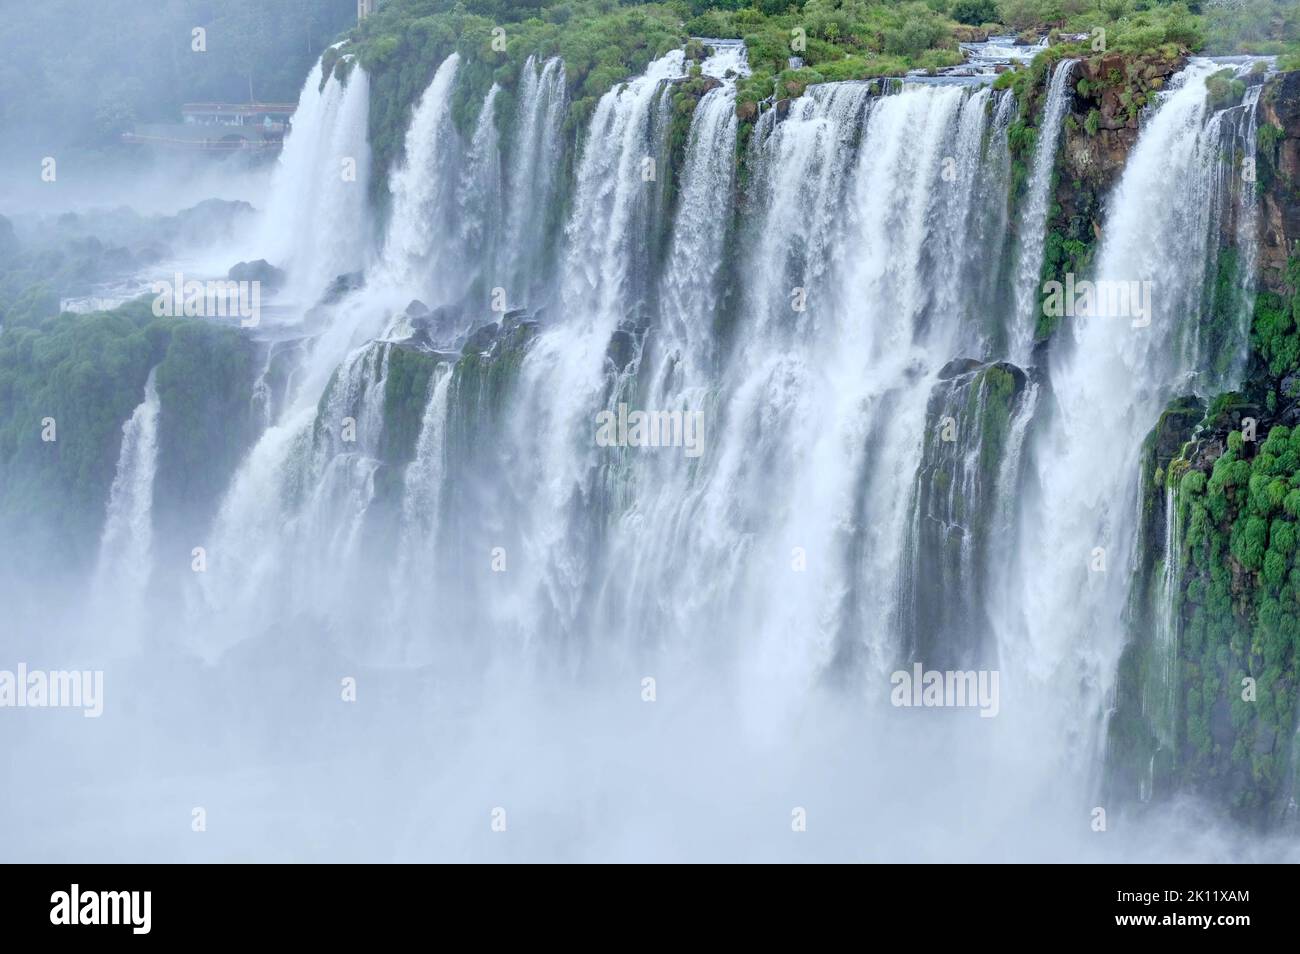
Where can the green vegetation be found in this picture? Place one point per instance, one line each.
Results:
(1240, 616)
(206, 422)
(1222, 90)
(791, 46)
(992, 401)
(1237, 502)
(1274, 334)
(1251, 26)
(604, 43)
(401, 46)
(850, 39)
(406, 393)
(87, 373)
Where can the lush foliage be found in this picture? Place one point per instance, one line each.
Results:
(1274, 334)
(1240, 614)
(1237, 604)
(401, 46)
(82, 376)
(604, 43)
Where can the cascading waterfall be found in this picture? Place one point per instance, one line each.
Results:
(302, 490)
(900, 316)
(314, 225)
(1217, 357)
(1229, 281)
(479, 199)
(606, 280)
(778, 528)
(1033, 218)
(1110, 377)
(677, 371)
(425, 473)
(422, 223)
(1160, 696)
(126, 545)
(421, 513)
(306, 489)
(533, 179)
(877, 485)
(689, 290)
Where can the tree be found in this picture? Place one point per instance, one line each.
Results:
(975, 12)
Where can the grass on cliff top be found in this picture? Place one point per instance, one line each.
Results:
(606, 42)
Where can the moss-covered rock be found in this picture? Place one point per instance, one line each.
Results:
(959, 484)
(1233, 612)
(1099, 132)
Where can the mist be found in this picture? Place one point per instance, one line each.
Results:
(381, 563)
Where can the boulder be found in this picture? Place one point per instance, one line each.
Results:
(341, 286)
(260, 271)
(482, 338)
(959, 366)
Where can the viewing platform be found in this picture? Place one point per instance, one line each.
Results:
(219, 127)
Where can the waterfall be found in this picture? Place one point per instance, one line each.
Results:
(318, 189)
(689, 292)
(126, 544)
(424, 187)
(727, 59)
(533, 179)
(656, 492)
(424, 475)
(788, 526)
(1033, 218)
(1111, 374)
(479, 199)
(419, 221)
(1160, 695)
(615, 201)
(1230, 272)
(606, 283)
(828, 322)
(306, 489)
(827, 302)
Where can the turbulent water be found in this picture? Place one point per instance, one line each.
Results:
(316, 223)
(1038, 199)
(126, 546)
(1109, 382)
(874, 483)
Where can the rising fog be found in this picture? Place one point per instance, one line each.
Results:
(361, 582)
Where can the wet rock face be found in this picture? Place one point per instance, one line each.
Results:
(342, 286)
(261, 271)
(1278, 173)
(1101, 129)
(969, 420)
(482, 338)
(959, 366)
